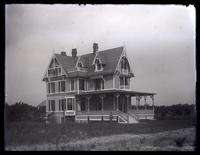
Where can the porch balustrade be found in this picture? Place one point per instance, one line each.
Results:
(142, 111)
(95, 112)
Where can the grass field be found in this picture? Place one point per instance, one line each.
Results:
(53, 135)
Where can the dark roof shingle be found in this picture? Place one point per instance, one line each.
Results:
(108, 57)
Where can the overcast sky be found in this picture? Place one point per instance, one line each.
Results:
(159, 41)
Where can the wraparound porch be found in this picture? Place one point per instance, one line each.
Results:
(104, 105)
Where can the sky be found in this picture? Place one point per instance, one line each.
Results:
(159, 41)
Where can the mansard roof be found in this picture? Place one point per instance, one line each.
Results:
(109, 58)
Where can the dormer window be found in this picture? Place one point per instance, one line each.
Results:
(54, 68)
(98, 65)
(79, 64)
(124, 65)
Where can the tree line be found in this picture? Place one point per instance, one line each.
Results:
(21, 111)
(24, 112)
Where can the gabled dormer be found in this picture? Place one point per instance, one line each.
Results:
(79, 64)
(98, 66)
(123, 67)
(54, 68)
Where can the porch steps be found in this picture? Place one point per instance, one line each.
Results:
(127, 118)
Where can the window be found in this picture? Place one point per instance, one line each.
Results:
(81, 84)
(126, 81)
(79, 64)
(121, 81)
(52, 87)
(51, 72)
(49, 88)
(69, 104)
(72, 84)
(62, 104)
(51, 105)
(98, 65)
(54, 72)
(99, 84)
(61, 86)
(124, 64)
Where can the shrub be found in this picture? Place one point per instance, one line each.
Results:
(180, 141)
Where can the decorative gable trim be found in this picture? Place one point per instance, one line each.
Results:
(62, 69)
(96, 70)
(78, 61)
(46, 71)
(93, 63)
(122, 55)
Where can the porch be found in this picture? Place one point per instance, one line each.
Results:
(114, 105)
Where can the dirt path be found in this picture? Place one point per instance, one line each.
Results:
(180, 140)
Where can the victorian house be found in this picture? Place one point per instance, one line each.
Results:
(94, 87)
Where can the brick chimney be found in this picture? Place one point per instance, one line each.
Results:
(95, 48)
(74, 52)
(63, 53)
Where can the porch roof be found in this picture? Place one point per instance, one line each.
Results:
(115, 91)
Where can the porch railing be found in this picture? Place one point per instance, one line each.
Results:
(96, 115)
(150, 112)
(95, 112)
(123, 115)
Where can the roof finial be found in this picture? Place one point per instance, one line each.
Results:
(124, 46)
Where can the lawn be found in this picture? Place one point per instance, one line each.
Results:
(24, 133)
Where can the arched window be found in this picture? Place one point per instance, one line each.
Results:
(124, 64)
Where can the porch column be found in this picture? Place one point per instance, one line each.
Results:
(138, 102)
(77, 104)
(102, 97)
(117, 96)
(152, 97)
(127, 102)
(88, 103)
(145, 102)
